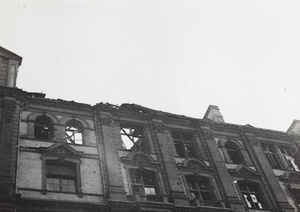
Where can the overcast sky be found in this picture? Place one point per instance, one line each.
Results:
(174, 56)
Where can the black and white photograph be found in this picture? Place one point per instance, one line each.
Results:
(149, 106)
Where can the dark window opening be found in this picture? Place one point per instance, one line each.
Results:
(61, 176)
(58, 183)
(270, 152)
(144, 182)
(251, 195)
(200, 189)
(43, 128)
(184, 144)
(74, 132)
(133, 138)
(290, 160)
(233, 152)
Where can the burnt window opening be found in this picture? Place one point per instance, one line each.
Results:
(271, 154)
(133, 138)
(43, 128)
(61, 176)
(290, 160)
(233, 152)
(74, 132)
(184, 144)
(201, 191)
(251, 195)
(144, 183)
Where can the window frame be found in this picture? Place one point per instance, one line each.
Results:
(289, 158)
(78, 128)
(77, 178)
(140, 144)
(283, 156)
(199, 200)
(259, 191)
(142, 194)
(181, 144)
(236, 152)
(39, 126)
(60, 183)
(272, 155)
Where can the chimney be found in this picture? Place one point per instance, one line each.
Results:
(213, 113)
(9, 66)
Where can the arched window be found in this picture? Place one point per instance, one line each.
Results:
(43, 128)
(233, 152)
(74, 132)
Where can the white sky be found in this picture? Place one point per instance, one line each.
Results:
(174, 56)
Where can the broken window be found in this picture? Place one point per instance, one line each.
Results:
(133, 138)
(74, 131)
(290, 160)
(61, 176)
(184, 144)
(271, 154)
(251, 195)
(43, 128)
(200, 191)
(144, 183)
(233, 152)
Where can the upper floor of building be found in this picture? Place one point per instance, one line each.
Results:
(117, 156)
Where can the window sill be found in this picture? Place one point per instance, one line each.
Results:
(44, 192)
(144, 198)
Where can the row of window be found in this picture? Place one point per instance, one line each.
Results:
(280, 157)
(61, 176)
(134, 139)
(44, 129)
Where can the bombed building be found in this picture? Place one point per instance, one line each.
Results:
(65, 156)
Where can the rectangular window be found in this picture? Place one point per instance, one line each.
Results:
(271, 154)
(57, 183)
(61, 176)
(144, 183)
(251, 195)
(133, 138)
(184, 144)
(289, 159)
(200, 190)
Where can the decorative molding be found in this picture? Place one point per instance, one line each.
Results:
(194, 165)
(291, 176)
(139, 159)
(243, 171)
(60, 150)
(159, 126)
(208, 133)
(106, 119)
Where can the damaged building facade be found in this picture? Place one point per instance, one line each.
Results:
(58, 155)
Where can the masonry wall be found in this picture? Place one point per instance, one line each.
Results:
(32, 150)
(104, 165)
